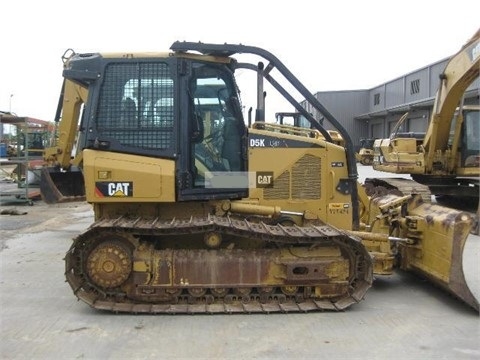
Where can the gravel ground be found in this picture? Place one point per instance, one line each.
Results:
(402, 317)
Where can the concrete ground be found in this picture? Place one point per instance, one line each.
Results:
(402, 317)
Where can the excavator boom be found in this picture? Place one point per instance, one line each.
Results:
(462, 69)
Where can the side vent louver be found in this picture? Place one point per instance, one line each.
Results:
(301, 182)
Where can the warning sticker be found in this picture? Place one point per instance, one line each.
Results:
(338, 208)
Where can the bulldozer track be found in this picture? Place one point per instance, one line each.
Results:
(210, 301)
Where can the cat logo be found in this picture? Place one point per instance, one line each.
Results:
(264, 179)
(114, 189)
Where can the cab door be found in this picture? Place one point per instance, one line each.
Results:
(213, 162)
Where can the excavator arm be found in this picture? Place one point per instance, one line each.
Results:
(72, 98)
(461, 70)
(61, 177)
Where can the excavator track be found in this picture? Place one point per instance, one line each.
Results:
(398, 186)
(116, 265)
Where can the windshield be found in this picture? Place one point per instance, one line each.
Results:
(472, 129)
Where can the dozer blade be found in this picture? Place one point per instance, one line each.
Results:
(61, 186)
(439, 253)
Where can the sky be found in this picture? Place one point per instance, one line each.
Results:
(327, 45)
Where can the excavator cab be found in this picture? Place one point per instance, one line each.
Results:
(470, 146)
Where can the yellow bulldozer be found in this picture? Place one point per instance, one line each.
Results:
(197, 212)
(365, 154)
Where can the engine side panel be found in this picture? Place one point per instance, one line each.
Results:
(114, 177)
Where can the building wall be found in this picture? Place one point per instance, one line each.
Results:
(413, 88)
(394, 92)
(344, 105)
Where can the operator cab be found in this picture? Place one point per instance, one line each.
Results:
(470, 142)
(173, 108)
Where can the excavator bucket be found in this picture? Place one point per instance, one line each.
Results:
(439, 252)
(61, 186)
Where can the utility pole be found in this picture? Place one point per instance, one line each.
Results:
(10, 104)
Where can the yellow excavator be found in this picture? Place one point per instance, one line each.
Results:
(197, 212)
(444, 161)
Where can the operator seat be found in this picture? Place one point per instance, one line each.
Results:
(129, 112)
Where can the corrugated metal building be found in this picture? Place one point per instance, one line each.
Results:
(374, 112)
